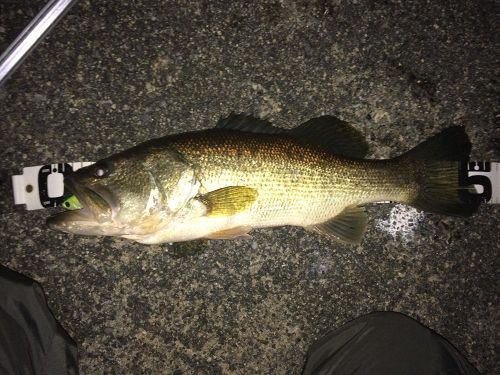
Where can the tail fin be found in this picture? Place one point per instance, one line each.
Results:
(441, 179)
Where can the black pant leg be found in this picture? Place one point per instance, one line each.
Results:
(385, 343)
(31, 341)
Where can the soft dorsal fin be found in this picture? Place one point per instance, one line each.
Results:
(329, 132)
(348, 226)
(333, 134)
(246, 123)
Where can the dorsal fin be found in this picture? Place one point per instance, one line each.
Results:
(329, 132)
(333, 134)
(246, 123)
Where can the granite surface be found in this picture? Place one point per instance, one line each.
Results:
(112, 74)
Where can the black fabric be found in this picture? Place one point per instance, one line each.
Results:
(33, 343)
(31, 340)
(385, 343)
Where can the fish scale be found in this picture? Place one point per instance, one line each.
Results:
(298, 184)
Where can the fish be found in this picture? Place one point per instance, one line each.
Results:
(246, 173)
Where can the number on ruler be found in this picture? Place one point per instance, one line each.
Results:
(483, 181)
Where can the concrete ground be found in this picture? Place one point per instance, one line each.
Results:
(113, 74)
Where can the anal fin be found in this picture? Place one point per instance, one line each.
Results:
(348, 226)
(228, 234)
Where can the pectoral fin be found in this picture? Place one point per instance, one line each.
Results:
(229, 200)
(348, 226)
(228, 234)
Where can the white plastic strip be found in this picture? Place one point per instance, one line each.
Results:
(42, 186)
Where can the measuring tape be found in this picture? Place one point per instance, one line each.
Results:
(42, 186)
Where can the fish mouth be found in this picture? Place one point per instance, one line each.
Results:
(98, 207)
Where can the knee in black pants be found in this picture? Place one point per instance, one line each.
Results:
(385, 343)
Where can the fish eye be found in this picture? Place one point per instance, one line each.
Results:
(100, 171)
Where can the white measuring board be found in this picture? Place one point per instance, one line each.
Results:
(42, 186)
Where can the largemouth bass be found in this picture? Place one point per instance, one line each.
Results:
(245, 173)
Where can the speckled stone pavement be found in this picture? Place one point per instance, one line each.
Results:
(113, 74)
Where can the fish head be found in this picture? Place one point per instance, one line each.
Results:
(132, 193)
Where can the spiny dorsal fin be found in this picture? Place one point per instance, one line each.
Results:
(229, 200)
(334, 135)
(246, 123)
(348, 226)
